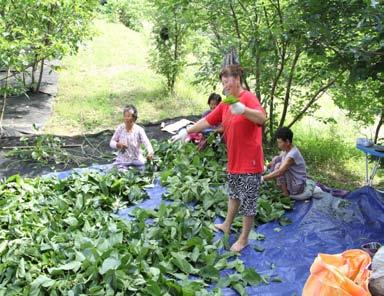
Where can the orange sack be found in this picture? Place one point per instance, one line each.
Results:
(344, 274)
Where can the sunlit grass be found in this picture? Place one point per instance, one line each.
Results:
(110, 72)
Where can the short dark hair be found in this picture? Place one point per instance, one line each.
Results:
(214, 97)
(284, 133)
(132, 109)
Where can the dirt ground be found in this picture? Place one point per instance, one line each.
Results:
(90, 149)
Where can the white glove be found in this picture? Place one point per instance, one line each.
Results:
(262, 180)
(237, 108)
(180, 136)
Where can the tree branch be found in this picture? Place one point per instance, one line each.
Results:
(288, 87)
(236, 21)
(314, 98)
(274, 86)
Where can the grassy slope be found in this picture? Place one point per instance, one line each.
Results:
(108, 73)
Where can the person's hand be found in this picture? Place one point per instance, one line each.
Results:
(150, 157)
(181, 136)
(237, 108)
(121, 146)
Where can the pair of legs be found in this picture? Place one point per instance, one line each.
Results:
(242, 241)
(243, 191)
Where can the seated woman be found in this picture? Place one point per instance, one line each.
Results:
(127, 140)
(214, 100)
(289, 167)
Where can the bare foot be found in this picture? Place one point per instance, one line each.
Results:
(239, 245)
(223, 228)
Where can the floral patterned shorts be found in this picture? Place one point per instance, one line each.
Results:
(245, 187)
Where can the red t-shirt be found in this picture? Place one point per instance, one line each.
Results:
(242, 137)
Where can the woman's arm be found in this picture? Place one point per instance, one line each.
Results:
(115, 139)
(281, 170)
(202, 124)
(115, 143)
(256, 116)
(146, 142)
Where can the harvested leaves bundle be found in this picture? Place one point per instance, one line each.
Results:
(230, 100)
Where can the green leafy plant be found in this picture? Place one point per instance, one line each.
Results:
(45, 149)
(230, 100)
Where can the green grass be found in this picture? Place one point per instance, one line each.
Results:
(330, 149)
(109, 72)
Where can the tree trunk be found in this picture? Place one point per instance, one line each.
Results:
(258, 82)
(4, 102)
(33, 73)
(40, 76)
(273, 91)
(288, 87)
(24, 79)
(379, 126)
(175, 52)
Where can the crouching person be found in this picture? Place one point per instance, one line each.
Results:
(289, 167)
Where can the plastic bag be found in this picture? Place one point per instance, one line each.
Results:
(343, 274)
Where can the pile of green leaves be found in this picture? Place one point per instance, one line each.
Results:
(45, 149)
(61, 237)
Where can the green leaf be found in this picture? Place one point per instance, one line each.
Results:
(258, 248)
(74, 265)
(209, 272)
(189, 291)
(180, 261)
(3, 246)
(72, 221)
(41, 281)
(250, 276)
(175, 288)
(154, 272)
(195, 254)
(277, 280)
(110, 263)
(283, 221)
(256, 235)
(239, 289)
(153, 288)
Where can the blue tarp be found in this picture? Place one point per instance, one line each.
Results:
(100, 168)
(327, 225)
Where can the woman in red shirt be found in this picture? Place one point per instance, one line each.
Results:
(242, 123)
